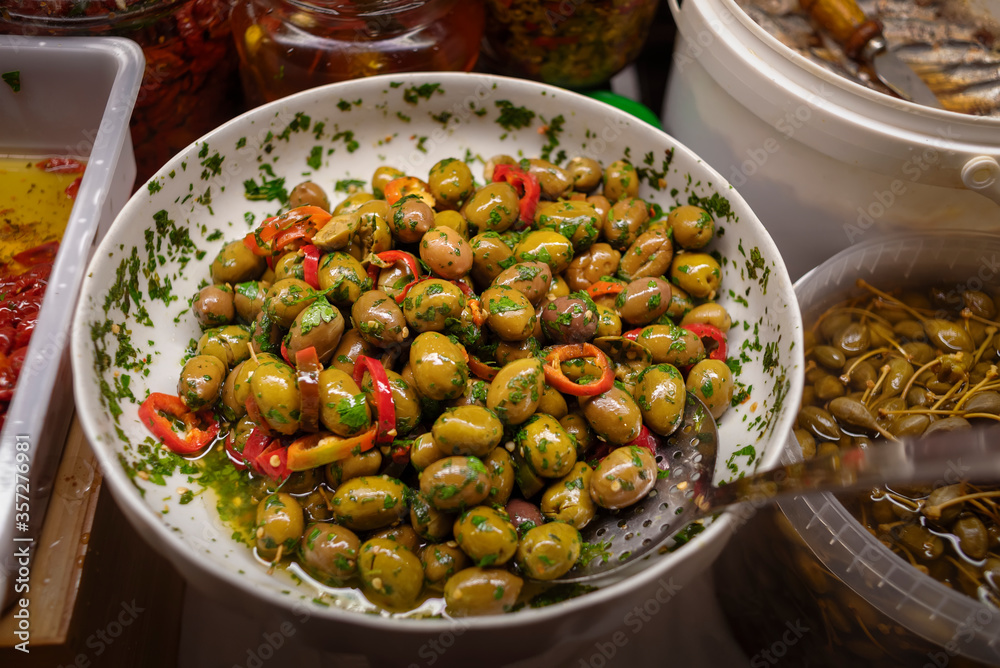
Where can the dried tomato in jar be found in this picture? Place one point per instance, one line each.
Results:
(189, 86)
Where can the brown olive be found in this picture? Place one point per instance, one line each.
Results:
(586, 173)
(624, 221)
(308, 193)
(554, 181)
(577, 426)
(490, 256)
(532, 279)
(601, 206)
(588, 268)
(201, 381)
(248, 299)
(570, 319)
(623, 478)
(379, 319)
(410, 218)
(446, 252)
(329, 552)
(214, 306)
(649, 255)
(346, 354)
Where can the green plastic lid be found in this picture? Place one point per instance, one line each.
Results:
(637, 109)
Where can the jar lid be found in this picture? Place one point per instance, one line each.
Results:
(628, 105)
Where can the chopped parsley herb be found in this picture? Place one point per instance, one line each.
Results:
(315, 159)
(513, 118)
(12, 79)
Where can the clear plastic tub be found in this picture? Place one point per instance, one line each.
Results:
(76, 96)
(820, 568)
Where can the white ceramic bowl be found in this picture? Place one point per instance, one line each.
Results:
(410, 122)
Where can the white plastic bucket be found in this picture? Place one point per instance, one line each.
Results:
(822, 160)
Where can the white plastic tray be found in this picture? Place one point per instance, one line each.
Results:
(75, 98)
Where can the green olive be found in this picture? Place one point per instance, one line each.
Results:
(532, 279)
(553, 180)
(585, 172)
(545, 246)
(404, 398)
(568, 499)
(493, 208)
(623, 478)
(286, 299)
(549, 551)
(275, 389)
(401, 534)
(429, 522)
(620, 180)
(329, 553)
(481, 591)
(229, 344)
(201, 381)
(441, 562)
(378, 319)
(613, 415)
(289, 265)
(577, 426)
(439, 370)
(659, 393)
(381, 178)
(486, 536)
(608, 322)
(692, 226)
(236, 263)
(365, 463)
(370, 502)
(516, 391)
(672, 345)
(643, 300)
(712, 382)
(391, 574)
(509, 313)
(454, 220)
(454, 483)
(698, 274)
(430, 303)
(547, 448)
(352, 202)
(576, 220)
(241, 381)
(709, 313)
(248, 299)
(972, 536)
(467, 430)
(279, 525)
(214, 306)
(501, 468)
(342, 406)
(624, 222)
(344, 277)
(588, 267)
(347, 352)
(450, 182)
(552, 403)
(319, 326)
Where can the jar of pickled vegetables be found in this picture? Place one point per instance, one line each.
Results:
(289, 45)
(189, 86)
(573, 43)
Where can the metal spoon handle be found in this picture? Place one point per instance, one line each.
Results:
(943, 458)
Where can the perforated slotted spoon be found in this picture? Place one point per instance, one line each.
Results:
(684, 492)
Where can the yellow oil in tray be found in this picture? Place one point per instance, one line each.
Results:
(34, 204)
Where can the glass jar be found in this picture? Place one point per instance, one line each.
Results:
(574, 43)
(189, 86)
(289, 45)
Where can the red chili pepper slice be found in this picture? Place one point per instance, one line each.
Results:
(320, 449)
(400, 453)
(601, 288)
(482, 370)
(276, 233)
(73, 188)
(308, 367)
(714, 335)
(384, 404)
(555, 377)
(645, 439)
(284, 353)
(479, 316)
(405, 186)
(273, 461)
(253, 412)
(633, 334)
(235, 456)
(44, 253)
(310, 265)
(162, 412)
(527, 188)
(61, 166)
(386, 259)
(257, 442)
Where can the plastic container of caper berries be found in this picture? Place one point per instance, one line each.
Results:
(814, 579)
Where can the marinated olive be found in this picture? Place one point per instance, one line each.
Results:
(390, 574)
(623, 478)
(493, 208)
(236, 263)
(586, 173)
(275, 390)
(692, 226)
(553, 180)
(319, 326)
(575, 220)
(214, 306)
(446, 252)
(351, 345)
(424, 451)
(229, 344)
(365, 463)
(659, 393)
(441, 562)
(712, 382)
(709, 314)
(509, 313)
(613, 415)
(552, 403)
(329, 552)
(547, 448)
(455, 483)
(620, 180)
(450, 182)
(545, 246)
(698, 274)
(516, 390)
(570, 319)
(588, 268)
(486, 536)
(201, 381)
(378, 319)
(568, 500)
(672, 345)
(532, 279)
(643, 300)
(429, 522)
(342, 407)
(649, 255)
(439, 371)
(501, 468)
(342, 278)
(248, 299)
(624, 222)
(279, 526)
(481, 591)
(549, 551)
(286, 299)
(577, 426)
(430, 303)
(467, 430)
(410, 218)
(370, 502)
